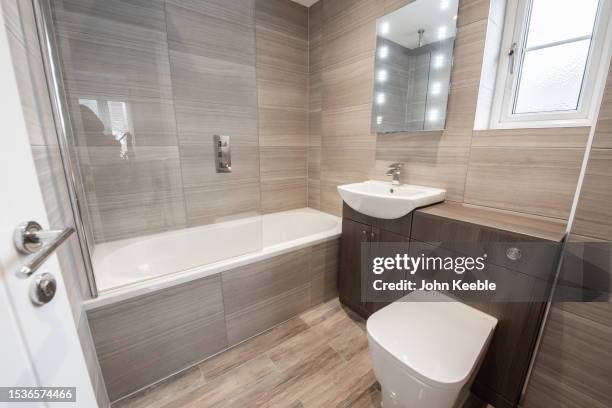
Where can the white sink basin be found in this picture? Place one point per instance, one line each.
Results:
(381, 199)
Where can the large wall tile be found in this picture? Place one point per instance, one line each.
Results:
(211, 204)
(283, 178)
(281, 50)
(283, 194)
(199, 33)
(343, 16)
(594, 212)
(198, 122)
(314, 193)
(536, 181)
(138, 195)
(531, 138)
(283, 162)
(469, 50)
(349, 84)
(204, 79)
(277, 87)
(283, 16)
(348, 127)
(118, 50)
(198, 165)
(283, 97)
(603, 132)
(471, 11)
(283, 127)
(443, 167)
(235, 11)
(573, 363)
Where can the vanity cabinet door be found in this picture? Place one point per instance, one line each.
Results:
(354, 234)
(378, 237)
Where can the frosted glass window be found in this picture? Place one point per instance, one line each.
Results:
(559, 20)
(551, 78)
(554, 55)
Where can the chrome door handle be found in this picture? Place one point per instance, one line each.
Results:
(30, 238)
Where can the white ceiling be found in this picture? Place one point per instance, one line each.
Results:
(426, 14)
(306, 3)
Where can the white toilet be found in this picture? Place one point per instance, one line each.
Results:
(426, 349)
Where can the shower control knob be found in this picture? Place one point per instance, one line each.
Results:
(43, 289)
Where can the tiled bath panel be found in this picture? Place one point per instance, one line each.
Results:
(142, 340)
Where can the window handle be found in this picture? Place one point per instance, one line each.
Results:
(511, 55)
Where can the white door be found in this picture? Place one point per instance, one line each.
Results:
(39, 345)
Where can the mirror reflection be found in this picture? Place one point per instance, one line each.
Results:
(412, 69)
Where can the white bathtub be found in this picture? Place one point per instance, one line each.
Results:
(136, 266)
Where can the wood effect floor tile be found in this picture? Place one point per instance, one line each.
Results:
(229, 360)
(304, 378)
(249, 380)
(166, 391)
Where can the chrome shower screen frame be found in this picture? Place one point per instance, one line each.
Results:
(63, 126)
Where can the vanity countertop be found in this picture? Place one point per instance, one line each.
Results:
(530, 225)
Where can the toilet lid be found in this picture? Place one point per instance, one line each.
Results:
(436, 338)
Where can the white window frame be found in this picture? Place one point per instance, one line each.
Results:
(596, 72)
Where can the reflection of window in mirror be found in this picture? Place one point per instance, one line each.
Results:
(412, 68)
(553, 63)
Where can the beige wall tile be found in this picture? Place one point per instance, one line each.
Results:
(314, 163)
(471, 11)
(195, 31)
(532, 138)
(198, 165)
(283, 162)
(572, 367)
(348, 128)
(211, 204)
(235, 11)
(282, 88)
(443, 167)
(603, 135)
(314, 193)
(284, 194)
(283, 127)
(536, 181)
(284, 16)
(348, 84)
(281, 50)
(359, 43)
(343, 16)
(198, 122)
(594, 212)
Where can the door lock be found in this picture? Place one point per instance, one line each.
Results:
(43, 289)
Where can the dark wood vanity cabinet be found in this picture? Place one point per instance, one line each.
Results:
(504, 368)
(360, 231)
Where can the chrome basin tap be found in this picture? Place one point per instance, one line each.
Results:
(395, 171)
